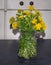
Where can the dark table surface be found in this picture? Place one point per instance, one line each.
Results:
(9, 48)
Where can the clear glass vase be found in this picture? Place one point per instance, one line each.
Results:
(27, 45)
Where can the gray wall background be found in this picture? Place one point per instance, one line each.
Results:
(8, 8)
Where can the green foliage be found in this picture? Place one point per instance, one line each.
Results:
(27, 46)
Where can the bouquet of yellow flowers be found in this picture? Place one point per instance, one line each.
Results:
(27, 21)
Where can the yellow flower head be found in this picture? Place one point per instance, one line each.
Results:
(34, 21)
(42, 22)
(40, 18)
(43, 25)
(26, 12)
(31, 7)
(14, 25)
(38, 26)
(38, 12)
(21, 16)
(12, 19)
(20, 10)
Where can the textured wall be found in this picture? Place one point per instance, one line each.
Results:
(11, 7)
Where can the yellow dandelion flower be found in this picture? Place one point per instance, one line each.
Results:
(38, 26)
(42, 23)
(14, 25)
(12, 19)
(26, 12)
(40, 18)
(31, 7)
(38, 12)
(20, 10)
(21, 16)
(44, 27)
(34, 21)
